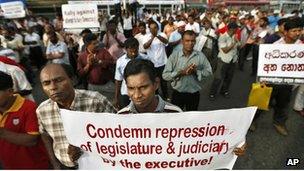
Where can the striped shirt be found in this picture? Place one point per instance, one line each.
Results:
(50, 120)
(162, 107)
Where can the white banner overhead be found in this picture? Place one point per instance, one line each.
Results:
(281, 63)
(13, 9)
(78, 16)
(189, 140)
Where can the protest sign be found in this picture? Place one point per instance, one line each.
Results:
(13, 9)
(80, 16)
(281, 63)
(189, 140)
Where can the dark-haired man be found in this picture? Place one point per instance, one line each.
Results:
(142, 83)
(258, 37)
(281, 94)
(121, 95)
(142, 37)
(57, 85)
(156, 51)
(186, 68)
(97, 65)
(20, 144)
(228, 55)
(57, 51)
(114, 40)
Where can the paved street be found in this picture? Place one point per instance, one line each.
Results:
(266, 148)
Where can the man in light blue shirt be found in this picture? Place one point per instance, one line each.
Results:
(186, 68)
(57, 51)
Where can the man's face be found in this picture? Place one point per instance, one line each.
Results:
(207, 25)
(132, 52)
(153, 29)
(142, 29)
(188, 42)
(181, 29)
(48, 29)
(263, 23)
(93, 46)
(293, 34)
(190, 20)
(54, 39)
(56, 84)
(141, 89)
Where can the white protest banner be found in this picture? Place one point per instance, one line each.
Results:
(80, 16)
(13, 9)
(281, 63)
(189, 140)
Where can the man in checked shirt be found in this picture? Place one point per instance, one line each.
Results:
(57, 85)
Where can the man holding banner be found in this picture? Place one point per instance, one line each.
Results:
(282, 93)
(57, 84)
(142, 83)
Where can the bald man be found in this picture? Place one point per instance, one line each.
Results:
(57, 85)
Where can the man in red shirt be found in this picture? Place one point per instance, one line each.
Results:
(20, 143)
(97, 65)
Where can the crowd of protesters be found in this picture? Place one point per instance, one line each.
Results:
(140, 61)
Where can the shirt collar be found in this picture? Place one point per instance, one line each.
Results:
(160, 106)
(181, 53)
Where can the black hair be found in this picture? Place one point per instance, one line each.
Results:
(153, 22)
(131, 43)
(142, 24)
(293, 23)
(189, 32)
(113, 21)
(265, 19)
(52, 34)
(6, 81)
(282, 21)
(137, 66)
(85, 31)
(232, 25)
(89, 38)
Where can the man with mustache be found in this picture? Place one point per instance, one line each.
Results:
(58, 86)
(96, 64)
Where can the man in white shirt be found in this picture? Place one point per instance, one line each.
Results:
(142, 37)
(57, 51)
(122, 99)
(209, 33)
(13, 41)
(21, 84)
(192, 25)
(228, 54)
(175, 39)
(127, 25)
(156, 51)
